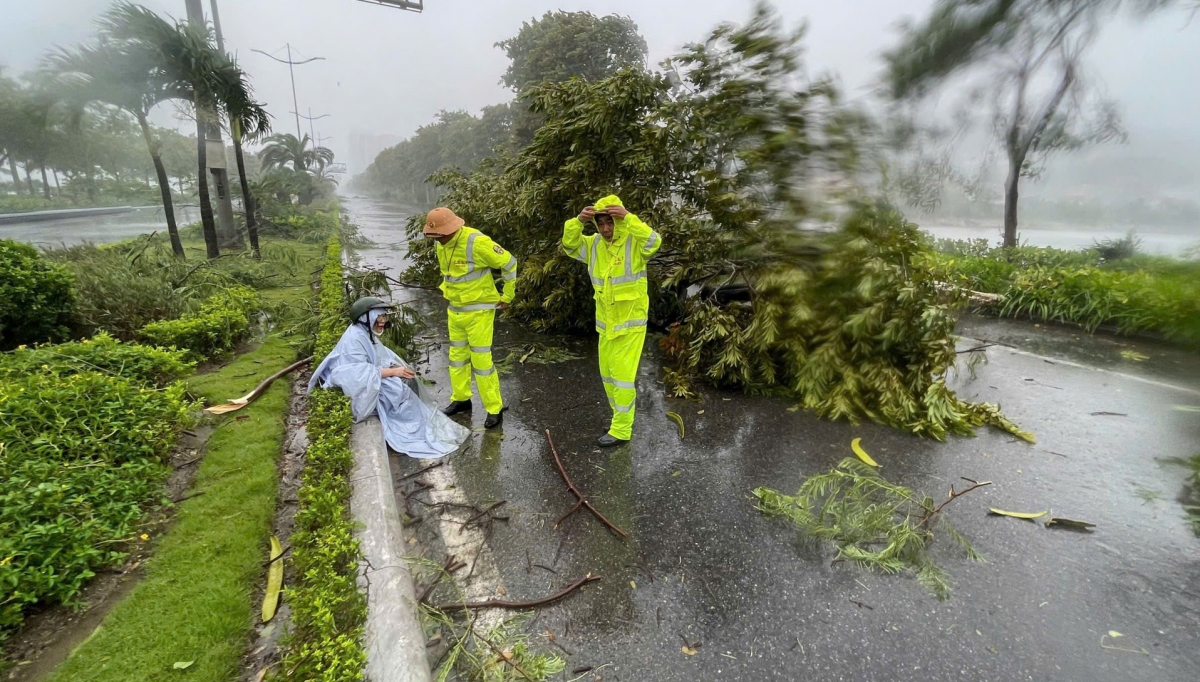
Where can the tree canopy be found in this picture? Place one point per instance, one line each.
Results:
(563, 45)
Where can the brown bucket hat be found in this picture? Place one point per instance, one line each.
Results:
(442, 222)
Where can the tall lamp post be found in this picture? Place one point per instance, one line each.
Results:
(291, 72)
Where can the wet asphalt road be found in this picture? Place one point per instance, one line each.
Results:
(702, 567)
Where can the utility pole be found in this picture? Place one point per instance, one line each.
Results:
(310, 118)
(227, 234)
(291, 72)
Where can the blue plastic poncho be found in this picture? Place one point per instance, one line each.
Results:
(412, 424)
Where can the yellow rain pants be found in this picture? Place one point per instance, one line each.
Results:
(471, 353)
(619, 356)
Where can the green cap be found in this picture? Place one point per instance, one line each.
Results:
(364, 304)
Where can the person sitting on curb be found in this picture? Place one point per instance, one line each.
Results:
(378, 381)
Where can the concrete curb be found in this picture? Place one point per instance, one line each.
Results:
(394, 641)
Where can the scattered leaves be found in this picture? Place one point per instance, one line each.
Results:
(862, 454)
(274, 581)
(1029, 516)
(678, 422)
(1070, 524)
(182, 665)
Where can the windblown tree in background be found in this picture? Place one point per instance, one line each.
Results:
(121, 74)
(740, 161)
(553, 49)
(1022, 59)
(296, 166)
(563, 45)
(188, 59)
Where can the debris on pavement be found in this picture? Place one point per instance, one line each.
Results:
(1070, 524)
(678, 422)
(1028, 516)
(582, 500)
(862, 454)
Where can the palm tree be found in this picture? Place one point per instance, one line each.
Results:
(117, 75)
(285, 149)
(185, 56)
(247, 120)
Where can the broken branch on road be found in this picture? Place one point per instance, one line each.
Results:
(507, 604)
(582, 500)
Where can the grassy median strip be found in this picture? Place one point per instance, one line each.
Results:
(195, 605)
(328, 609)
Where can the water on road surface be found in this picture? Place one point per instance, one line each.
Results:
(702, 568)
(96, 229)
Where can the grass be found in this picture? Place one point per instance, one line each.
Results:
(195, 603)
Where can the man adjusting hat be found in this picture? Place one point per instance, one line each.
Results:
(466, 258)
(616, 258)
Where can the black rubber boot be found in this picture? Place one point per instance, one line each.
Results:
(456, 407)
(494, 420)
(609, 441)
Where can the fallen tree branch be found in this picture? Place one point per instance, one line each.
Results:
(452, 564)
(507, 658)
(582, 500)
(952, 496)
(239, 403)
(418, 473)
(505, 604)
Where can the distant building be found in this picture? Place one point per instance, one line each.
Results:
(364, 147)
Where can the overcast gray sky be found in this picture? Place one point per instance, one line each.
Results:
(389, 71)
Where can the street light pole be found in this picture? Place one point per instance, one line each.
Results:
(310, 118)
(291, 63)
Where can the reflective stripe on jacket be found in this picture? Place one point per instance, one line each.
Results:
(466, 263)
(617, 270)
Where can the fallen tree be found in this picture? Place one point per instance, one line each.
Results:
(746, 167)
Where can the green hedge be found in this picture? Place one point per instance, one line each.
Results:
(80, 455)
(1141, 294)
(145, 365)
(221, 323)
(36, 297)
(328, 609)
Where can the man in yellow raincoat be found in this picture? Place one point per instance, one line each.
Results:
(467, 257)
(616, 258)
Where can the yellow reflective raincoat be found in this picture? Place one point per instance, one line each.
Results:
(617, 269)
(466, 263)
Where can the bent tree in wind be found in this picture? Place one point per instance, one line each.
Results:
(1026, 56)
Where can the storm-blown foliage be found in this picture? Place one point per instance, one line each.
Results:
(36, 296)
(735, 165)
(878, 525)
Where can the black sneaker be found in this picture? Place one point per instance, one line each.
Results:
(457, 406)
(609, 441)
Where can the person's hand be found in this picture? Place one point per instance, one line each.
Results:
(617, 212)
(502, 305)
(397, 372)
(587, 214)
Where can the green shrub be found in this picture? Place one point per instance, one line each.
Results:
(36, 296)
(1135, 293)
(123, 287)
(329, 611)
(221, 323)
(144, 365)
(81, 455)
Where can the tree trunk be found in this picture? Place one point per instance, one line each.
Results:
(1010, 201)
(29, 181)
(247, 198)
(164, 187)
(91, 185)
(207, 223)
(57, 184)
(12, 168)
(45, 183)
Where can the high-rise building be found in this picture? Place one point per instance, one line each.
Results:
(364, 147)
